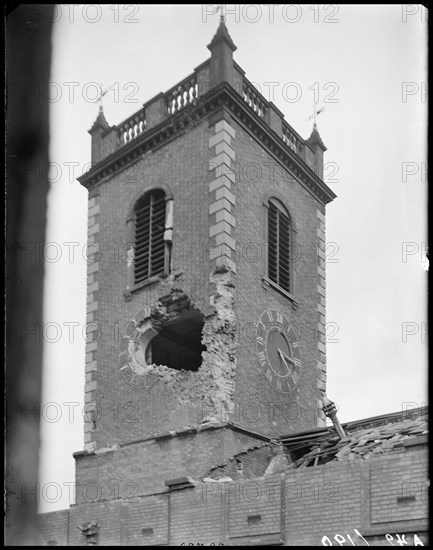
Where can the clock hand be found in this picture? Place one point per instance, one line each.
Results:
(286, 358)
(291, 369)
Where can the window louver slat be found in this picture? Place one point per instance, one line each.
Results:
(142, 237)
(141, 262)
(143, 208)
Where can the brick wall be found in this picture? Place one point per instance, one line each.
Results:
(206, 170)
(142, 468)
(125, 413)
(398, 490)
(249, 464)
(260, 176)
(297, 507)
(54, 526)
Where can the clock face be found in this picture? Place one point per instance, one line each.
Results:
(278, 350)
(134, 365)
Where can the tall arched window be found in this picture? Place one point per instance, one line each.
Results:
(279, 245)
(152, 236)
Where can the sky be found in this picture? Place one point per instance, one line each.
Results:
(367, 65)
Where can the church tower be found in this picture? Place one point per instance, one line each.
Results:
(206, 282)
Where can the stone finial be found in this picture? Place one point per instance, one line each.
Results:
(316, 143)
(221, 48)
(97, 131)
(100, 122)
(315, 140)
(222, 35)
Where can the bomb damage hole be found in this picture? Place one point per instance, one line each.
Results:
(178, 342)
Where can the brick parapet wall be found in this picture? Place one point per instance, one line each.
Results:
(169, 455)
(54, 526)
(298, 507)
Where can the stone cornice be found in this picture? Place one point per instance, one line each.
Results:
(179, 432)
(224, 96)
(274, 144)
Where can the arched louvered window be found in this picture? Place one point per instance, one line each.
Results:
(279, 245)
(151, 249)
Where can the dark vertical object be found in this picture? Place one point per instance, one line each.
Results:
(221, 48)
(28, 57)
(150, 257)
(279, 235)
(273, 243)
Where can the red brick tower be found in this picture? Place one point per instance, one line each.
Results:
(206, 286)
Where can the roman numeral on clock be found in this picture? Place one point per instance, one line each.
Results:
(269, 316)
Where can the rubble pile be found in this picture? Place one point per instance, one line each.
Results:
(362, 442)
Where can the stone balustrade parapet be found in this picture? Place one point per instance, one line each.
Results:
(186, 94)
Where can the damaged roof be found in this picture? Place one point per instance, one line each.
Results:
(364, 438)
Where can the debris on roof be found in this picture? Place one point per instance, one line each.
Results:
(279, 461)
(248, 463)
(365, 439)
(223, 479)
